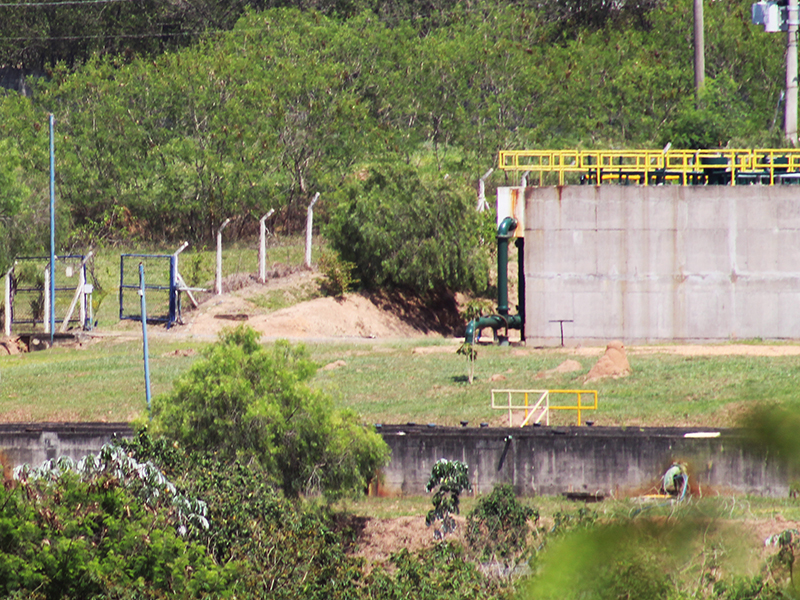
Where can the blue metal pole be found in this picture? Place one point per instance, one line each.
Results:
(144, 338)
(52, 315)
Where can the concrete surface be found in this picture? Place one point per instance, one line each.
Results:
(658, 263)
(606, 461)
(535, 460)
(34, 443)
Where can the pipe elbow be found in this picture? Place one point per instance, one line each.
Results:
(507, 227)
(469, 334)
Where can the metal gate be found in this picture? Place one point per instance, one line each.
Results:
(26, 307)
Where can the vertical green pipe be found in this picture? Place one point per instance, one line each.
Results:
(502, 276)
(504, 232)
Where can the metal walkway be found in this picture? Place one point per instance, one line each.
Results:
(655, 167)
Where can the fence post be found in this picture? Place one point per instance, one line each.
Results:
(174, 291)
(46, 317)
(82, 298)
(309, 225)
(183, 247)
(482, 204)
(262, 246)
(7, 315)
(218, 289)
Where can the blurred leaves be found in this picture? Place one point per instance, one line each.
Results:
(772, 430)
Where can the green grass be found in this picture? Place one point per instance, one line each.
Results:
(391, 383)
(386, 382)
(104, 382)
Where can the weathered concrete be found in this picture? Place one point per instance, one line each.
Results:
(33, 443)
(535, 460)
(662, 263)
(594, 460)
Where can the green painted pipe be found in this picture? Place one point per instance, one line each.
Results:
(502, 320)
(495, 322)
(520, 243)
(504, 232)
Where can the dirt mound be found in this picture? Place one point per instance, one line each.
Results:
(353, 316)
(378, 539)
(360, 315)
(568, 366)
(614, 363)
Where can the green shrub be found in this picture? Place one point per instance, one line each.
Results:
(497, 528)
(405, 230)
(249, 401)
(338, 274)
(64, 537)
(449, 478)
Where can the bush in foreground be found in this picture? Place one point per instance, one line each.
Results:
(246, 400)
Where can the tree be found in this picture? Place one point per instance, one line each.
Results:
(406, 230)
(107, 527)
(497, 528)
(245, 400)
(449, 478)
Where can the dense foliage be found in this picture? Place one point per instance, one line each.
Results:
(290, 103)
(90, 533)
(498, 527)
(404, 230)
(248, 401)
(448, 479)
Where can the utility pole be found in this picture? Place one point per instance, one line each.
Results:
(782, 15)
(699, 51)
(790, 122)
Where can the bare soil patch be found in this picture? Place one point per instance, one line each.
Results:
(357, 315)
(378, 538)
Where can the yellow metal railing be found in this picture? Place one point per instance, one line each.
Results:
(652, 167)
(540, 408)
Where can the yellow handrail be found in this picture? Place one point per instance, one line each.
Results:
(766, 166)
(542, 405)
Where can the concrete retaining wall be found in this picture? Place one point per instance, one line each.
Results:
(535, 460)
(591, 460)
(662, 262)
(34, 443)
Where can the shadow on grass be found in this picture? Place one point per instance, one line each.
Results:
(460, 379)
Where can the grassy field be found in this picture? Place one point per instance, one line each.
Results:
(423, 380)
(397, 382)
(394, 384)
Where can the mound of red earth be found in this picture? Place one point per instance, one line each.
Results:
(613, 363)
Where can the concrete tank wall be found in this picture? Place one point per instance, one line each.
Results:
(534, 460)
(651, 263)
(34, 443)
(590, 460)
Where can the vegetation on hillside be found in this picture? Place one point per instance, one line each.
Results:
(289, 102)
